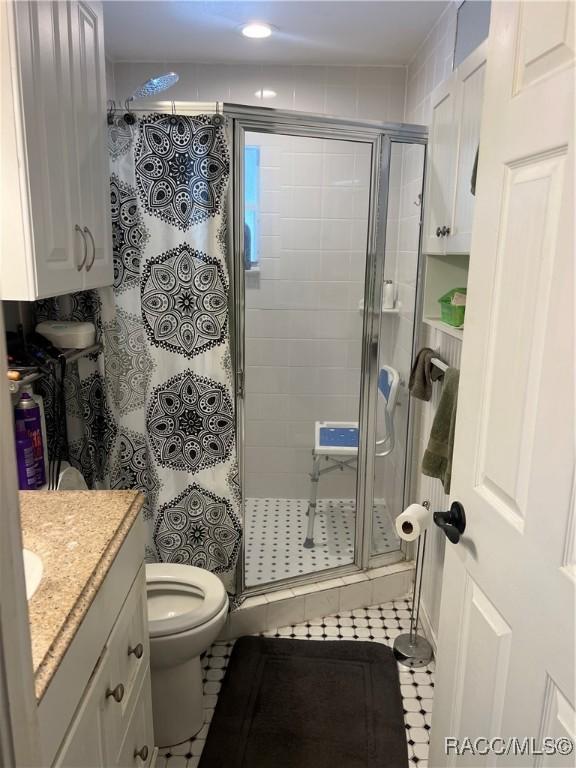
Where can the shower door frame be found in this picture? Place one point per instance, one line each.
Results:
(380, 137)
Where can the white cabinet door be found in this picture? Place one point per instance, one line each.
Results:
(506, 663)
(88, 76)
(55, 215)
(85, 744)
(440, 168)
(46, 113)
(130, 653)
(468, 113)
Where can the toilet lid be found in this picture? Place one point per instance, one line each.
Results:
(181, 597)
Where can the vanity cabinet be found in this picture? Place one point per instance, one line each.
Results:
(453, 144)
(55, 231)
(97, 710)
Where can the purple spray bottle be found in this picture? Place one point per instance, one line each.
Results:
(27, 412)
(27, 476)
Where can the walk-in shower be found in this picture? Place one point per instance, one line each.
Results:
(325, 211)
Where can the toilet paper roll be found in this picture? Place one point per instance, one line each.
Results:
(413, 521)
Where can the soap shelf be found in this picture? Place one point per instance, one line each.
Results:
(395, 310)
(71, 355)
(450, 330)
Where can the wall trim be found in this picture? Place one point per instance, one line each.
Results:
(429, 632)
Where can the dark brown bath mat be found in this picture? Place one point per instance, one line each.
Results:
(308, 704)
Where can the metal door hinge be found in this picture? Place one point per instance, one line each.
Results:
(240, 384)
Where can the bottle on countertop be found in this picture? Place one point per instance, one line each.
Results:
(27, 471)
(39, 400)
(27, 412)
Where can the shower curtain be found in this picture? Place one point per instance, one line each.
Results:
(155, 410)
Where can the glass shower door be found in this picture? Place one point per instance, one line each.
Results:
(396, 336)
(306, 214)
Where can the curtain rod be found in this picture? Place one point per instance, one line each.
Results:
(173, 107)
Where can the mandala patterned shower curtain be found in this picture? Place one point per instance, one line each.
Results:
(155, 411)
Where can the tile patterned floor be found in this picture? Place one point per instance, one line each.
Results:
(380, 624)
(276, 529)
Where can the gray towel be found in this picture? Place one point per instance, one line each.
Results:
(423, 373)
(437, 459)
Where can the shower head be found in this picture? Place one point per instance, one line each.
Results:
(155, 85)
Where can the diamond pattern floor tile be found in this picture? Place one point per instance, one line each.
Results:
(275, 530)
(379, 624)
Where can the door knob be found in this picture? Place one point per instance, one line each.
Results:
(452, 522)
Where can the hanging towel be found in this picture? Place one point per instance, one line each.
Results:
(437, 459)
(423, 373)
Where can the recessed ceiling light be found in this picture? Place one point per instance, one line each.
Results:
(265, 93)
(257, 30)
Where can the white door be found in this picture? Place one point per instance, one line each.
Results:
(90, 108)
(440, 168)
(44, 53)
(506, 636)
(468, 112)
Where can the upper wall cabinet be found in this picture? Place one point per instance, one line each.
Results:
(453, 144)
(55, 213)
(440, 167)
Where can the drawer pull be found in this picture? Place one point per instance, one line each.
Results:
(142, 753)
(116, 693)
(138, 651)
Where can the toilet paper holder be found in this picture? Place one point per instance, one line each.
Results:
(410, 648)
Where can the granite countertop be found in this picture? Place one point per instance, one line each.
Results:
(77, 534)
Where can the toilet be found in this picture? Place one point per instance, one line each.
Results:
(187, 608)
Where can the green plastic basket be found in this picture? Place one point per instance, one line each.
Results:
(449, 313)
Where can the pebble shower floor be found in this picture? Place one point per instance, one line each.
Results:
(379, 624)
(276, 528)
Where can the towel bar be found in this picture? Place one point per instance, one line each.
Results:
(439, 364)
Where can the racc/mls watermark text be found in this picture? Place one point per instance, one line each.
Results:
(526, 745)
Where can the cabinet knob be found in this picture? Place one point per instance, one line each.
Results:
(142, 753)
(438, 232)
(138, 651)
(78, 228)
(446, 231)
(116, 693)
(90, 265)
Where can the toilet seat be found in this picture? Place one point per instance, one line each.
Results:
(181, 598)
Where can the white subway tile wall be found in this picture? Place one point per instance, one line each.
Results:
(303, 327)
(371, 93)
(430, 66)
